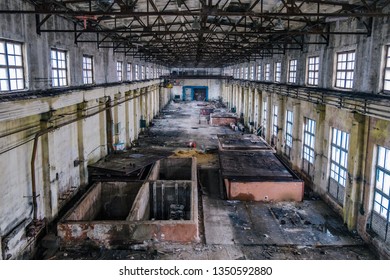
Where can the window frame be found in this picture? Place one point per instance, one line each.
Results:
(342, 81)
(275, 126)
(259, 72)
(292, 71)
(136, 68)
(386, 71)
(59, 70)
(89, 78)
(313, 70)
(252, 72)
(309, 131)
(119, 71)
(264, 122)
(129, 71)
(278, 72)
(386, 172)
(7, 68)
(336, 155)
(289, 128)
(378, 220)
(142, 72)
(267, 72)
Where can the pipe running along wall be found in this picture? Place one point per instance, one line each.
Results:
(107, 108)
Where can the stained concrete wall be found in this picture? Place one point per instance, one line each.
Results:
(366, 132)
(73, 127)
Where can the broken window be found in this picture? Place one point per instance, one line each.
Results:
(119, 70)
(289, 132)
(345, 69)
(59, 71)
(87, 70)
(309, 139)
(338, 164)
(267, 72)
(278, 72)
(11, 66)
(259, 72)
(386, 82)
(380, 216)
(313, 68)
(292, 71)
(129, 75)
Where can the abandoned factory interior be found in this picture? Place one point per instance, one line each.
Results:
(194, 129)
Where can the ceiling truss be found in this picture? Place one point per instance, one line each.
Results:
(205, 33)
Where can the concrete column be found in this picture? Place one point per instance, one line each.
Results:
(269, 117)
(115, 119)
(259, 106)
(80, 140)
(253, 107)
(319, 149)
(234, 97)
(242, 100)
(246, 99)
(296, 153)
(127, 120)
(50, 189)
(281, 124)
(356, 159)
(231, 102)
(136, 116)
(102, 128)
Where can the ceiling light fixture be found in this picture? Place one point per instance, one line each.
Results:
(279, 25)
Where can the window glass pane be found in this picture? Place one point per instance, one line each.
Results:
(11, 60)
(379, 180)
(3, 73)
(2, 60)
(386, 184)
(4, 85)
(10, 49)
(20, 84)
(381, 156)
(14, 85)
(387, 159)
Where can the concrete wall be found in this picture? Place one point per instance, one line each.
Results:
(73, 126)
(366, 131)
(214, 86)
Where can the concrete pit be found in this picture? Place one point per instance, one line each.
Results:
(106, 201)
(117, 214)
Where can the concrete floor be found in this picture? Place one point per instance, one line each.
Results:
(233, 229)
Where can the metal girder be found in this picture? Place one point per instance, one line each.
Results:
(163, 30)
